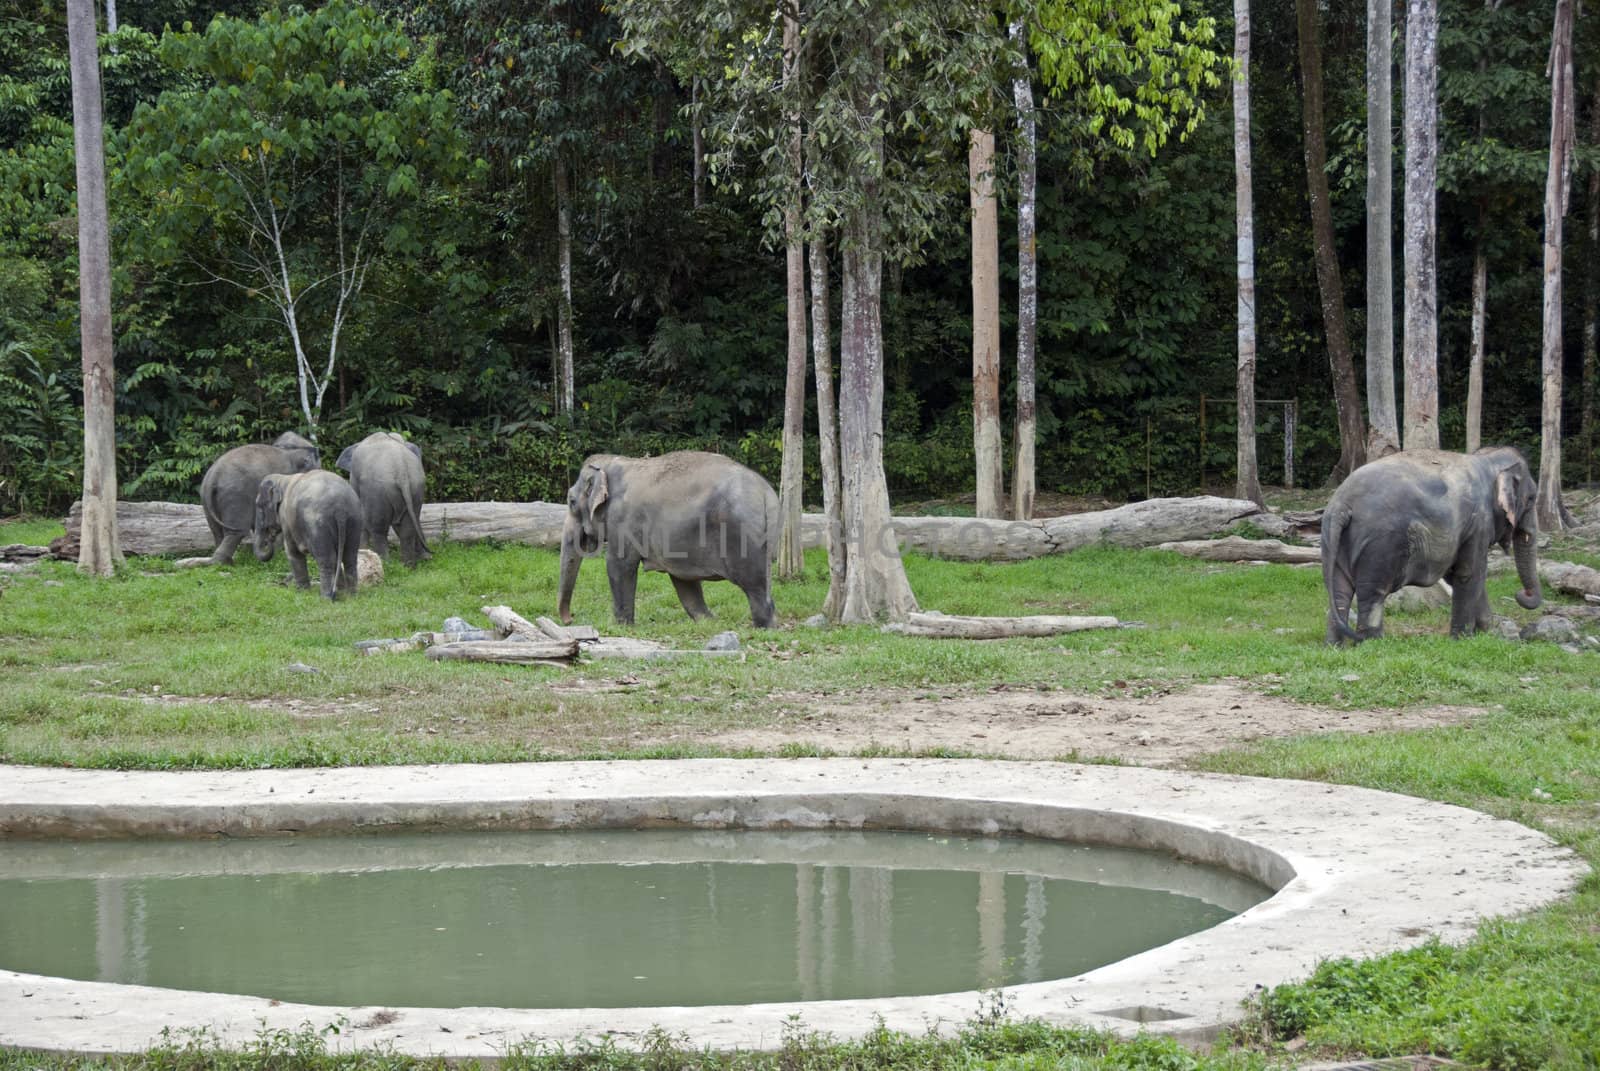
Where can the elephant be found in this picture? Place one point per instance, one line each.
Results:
(1420, 516)
(694, 516)
(228, 489)
(386, 472)
(318, 514)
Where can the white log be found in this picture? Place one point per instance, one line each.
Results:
(946, 626)
(1237, 549)
(648, 650)
(510, 652)
(551, 629)
(506, 619)
(377, 647)
(172, 528)
(1146, 524)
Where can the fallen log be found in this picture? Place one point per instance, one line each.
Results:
(509, 621)
(178, 529)
(1239, 549)
(396, 646)
(648, 650)
(1570, 578)
(1146, 524)
(22, 552)
(510, 652)
(949, 626)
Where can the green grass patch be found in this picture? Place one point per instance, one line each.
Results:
(35, 531)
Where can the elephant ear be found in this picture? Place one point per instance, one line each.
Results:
(599, 491)
(345, 457)
(1513, 494)
(415, 450)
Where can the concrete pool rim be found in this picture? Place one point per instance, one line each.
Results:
(1357, 872)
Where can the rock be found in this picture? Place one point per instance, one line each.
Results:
(1551, 629)
(455, 624)
(816, 621)
(723, 641)
(301, 667)
(1506, 629)
(369, 568)
(1416, 599)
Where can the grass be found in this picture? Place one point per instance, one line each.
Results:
(159, 668)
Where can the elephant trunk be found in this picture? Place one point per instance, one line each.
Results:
(266, 543)
(1525, 551)
(571, 559)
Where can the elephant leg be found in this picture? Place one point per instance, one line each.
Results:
(297, 564)
(623, 573)
(693, 598)
(229, 543)
(1469, 596)
(1369, 610)
(412, 547)
(350, 560)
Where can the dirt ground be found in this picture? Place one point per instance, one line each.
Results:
(1161, 729)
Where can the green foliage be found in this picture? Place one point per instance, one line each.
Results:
(40, 435)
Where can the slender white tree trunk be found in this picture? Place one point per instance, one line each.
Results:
(985, 323)
(1480, 318)
(1023, 483)
(791, 479)
(827, 424)
(98, 552)
(565, 393)
(1248, 484)
(1562, 137)
(1422, 146)
(1383, 424)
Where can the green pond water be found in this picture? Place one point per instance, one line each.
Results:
(594, 919)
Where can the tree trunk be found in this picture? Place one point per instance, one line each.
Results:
(827, 425)
(985, 323)
(565, 393)
(1480, 314)
(1591, 304)
(1383, 425)
(1422, 144)
(1346, 394)
(1248, 482)
(1552, 516)
(1023, 485)
(791, 478)
(875, 584)
(697, 141)
(98, 553)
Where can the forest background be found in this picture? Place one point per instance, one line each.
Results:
(459, 146)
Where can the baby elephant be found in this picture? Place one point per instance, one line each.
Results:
(318, 514)
(386, 472)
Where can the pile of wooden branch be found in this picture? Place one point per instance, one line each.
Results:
(514, 640)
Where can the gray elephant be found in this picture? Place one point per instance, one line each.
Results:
(1421, 516)
(386, 472)
(318, 514)
(228, 489)
(691, 515)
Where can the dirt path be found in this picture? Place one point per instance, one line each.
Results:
(1161, 729)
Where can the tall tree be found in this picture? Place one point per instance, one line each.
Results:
(1480, 287)
(98, 552)
(827, 423)
(1248, 483)
(1383, 424)
(1421, 343)
(1022, 471)
(1346, 394)
(985, 210)
(791, 556)
(1552, 515)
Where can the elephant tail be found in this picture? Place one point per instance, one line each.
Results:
(1337, 577)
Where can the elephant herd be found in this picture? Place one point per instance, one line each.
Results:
(1412, 518)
